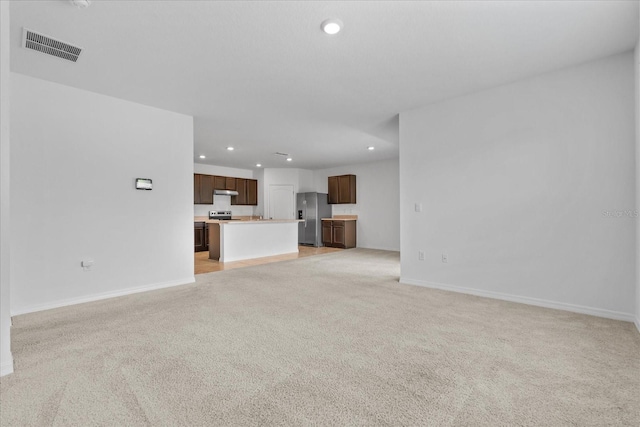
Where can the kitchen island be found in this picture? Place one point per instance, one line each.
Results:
(232, 240)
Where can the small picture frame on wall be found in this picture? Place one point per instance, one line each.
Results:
(144, 184)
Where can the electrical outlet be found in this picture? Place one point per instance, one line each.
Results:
(445, 258)
(420, 255)
(418, 207)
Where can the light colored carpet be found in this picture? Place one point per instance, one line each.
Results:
(326, 340)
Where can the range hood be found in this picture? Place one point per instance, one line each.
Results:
(225, 193)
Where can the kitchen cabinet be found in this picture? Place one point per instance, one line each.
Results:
(241, 188)
(220, 182)
(252, 192)
(196, 188)
(339, 233)
(230, 183)
(202, 189)
(204, 185)
(206, 189)
(199, 236)
(247, 192)
(327, 238)
(342, 189)
(332, 197)
(224, 183)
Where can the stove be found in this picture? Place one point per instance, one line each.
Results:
(225, 215)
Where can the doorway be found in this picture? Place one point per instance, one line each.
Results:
(281, 202)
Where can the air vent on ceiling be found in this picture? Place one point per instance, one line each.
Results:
(277, 153)
(44, 44)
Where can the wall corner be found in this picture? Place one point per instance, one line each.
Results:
(6, 359)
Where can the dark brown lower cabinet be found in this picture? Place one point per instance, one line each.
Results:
(199, 238)
(326, 233)
(339, 233)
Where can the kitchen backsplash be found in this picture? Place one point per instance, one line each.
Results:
(344, 210)
(223, 203)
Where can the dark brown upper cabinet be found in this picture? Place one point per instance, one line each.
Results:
(231, 183)
(247, 192)
(241, 188)
(203, 186)
(333, 190)
(252, 192)
(202, 189)
(196, 188)
(206, 189)
(342, 189)
(220, 182)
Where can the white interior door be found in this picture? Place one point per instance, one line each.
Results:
(281, 201)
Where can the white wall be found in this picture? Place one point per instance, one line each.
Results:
(514, 182)
(259, 175)
(306, 181)
(6, 361)
(637, 67)
(221, 203)
(75, 156)
(377, 198)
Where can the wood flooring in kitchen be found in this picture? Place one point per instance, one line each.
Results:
(205, 265)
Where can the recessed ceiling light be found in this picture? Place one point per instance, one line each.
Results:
(258, 165)
(81, 4)
(371, 148)
(230, 148)
(331, 26)
(289, 159)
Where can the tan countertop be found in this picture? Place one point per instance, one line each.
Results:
(341, 218)
(256, 221)
(242, 221)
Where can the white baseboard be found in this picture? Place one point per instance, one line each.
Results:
(6, 367)
(101, 296)
(637, 322)
(599, 312)
(243, 258)
(379, 248)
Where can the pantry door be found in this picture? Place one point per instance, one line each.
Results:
(281, 202)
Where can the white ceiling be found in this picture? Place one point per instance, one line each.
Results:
(262, 77)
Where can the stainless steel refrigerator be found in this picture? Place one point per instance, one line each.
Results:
(312, 207)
